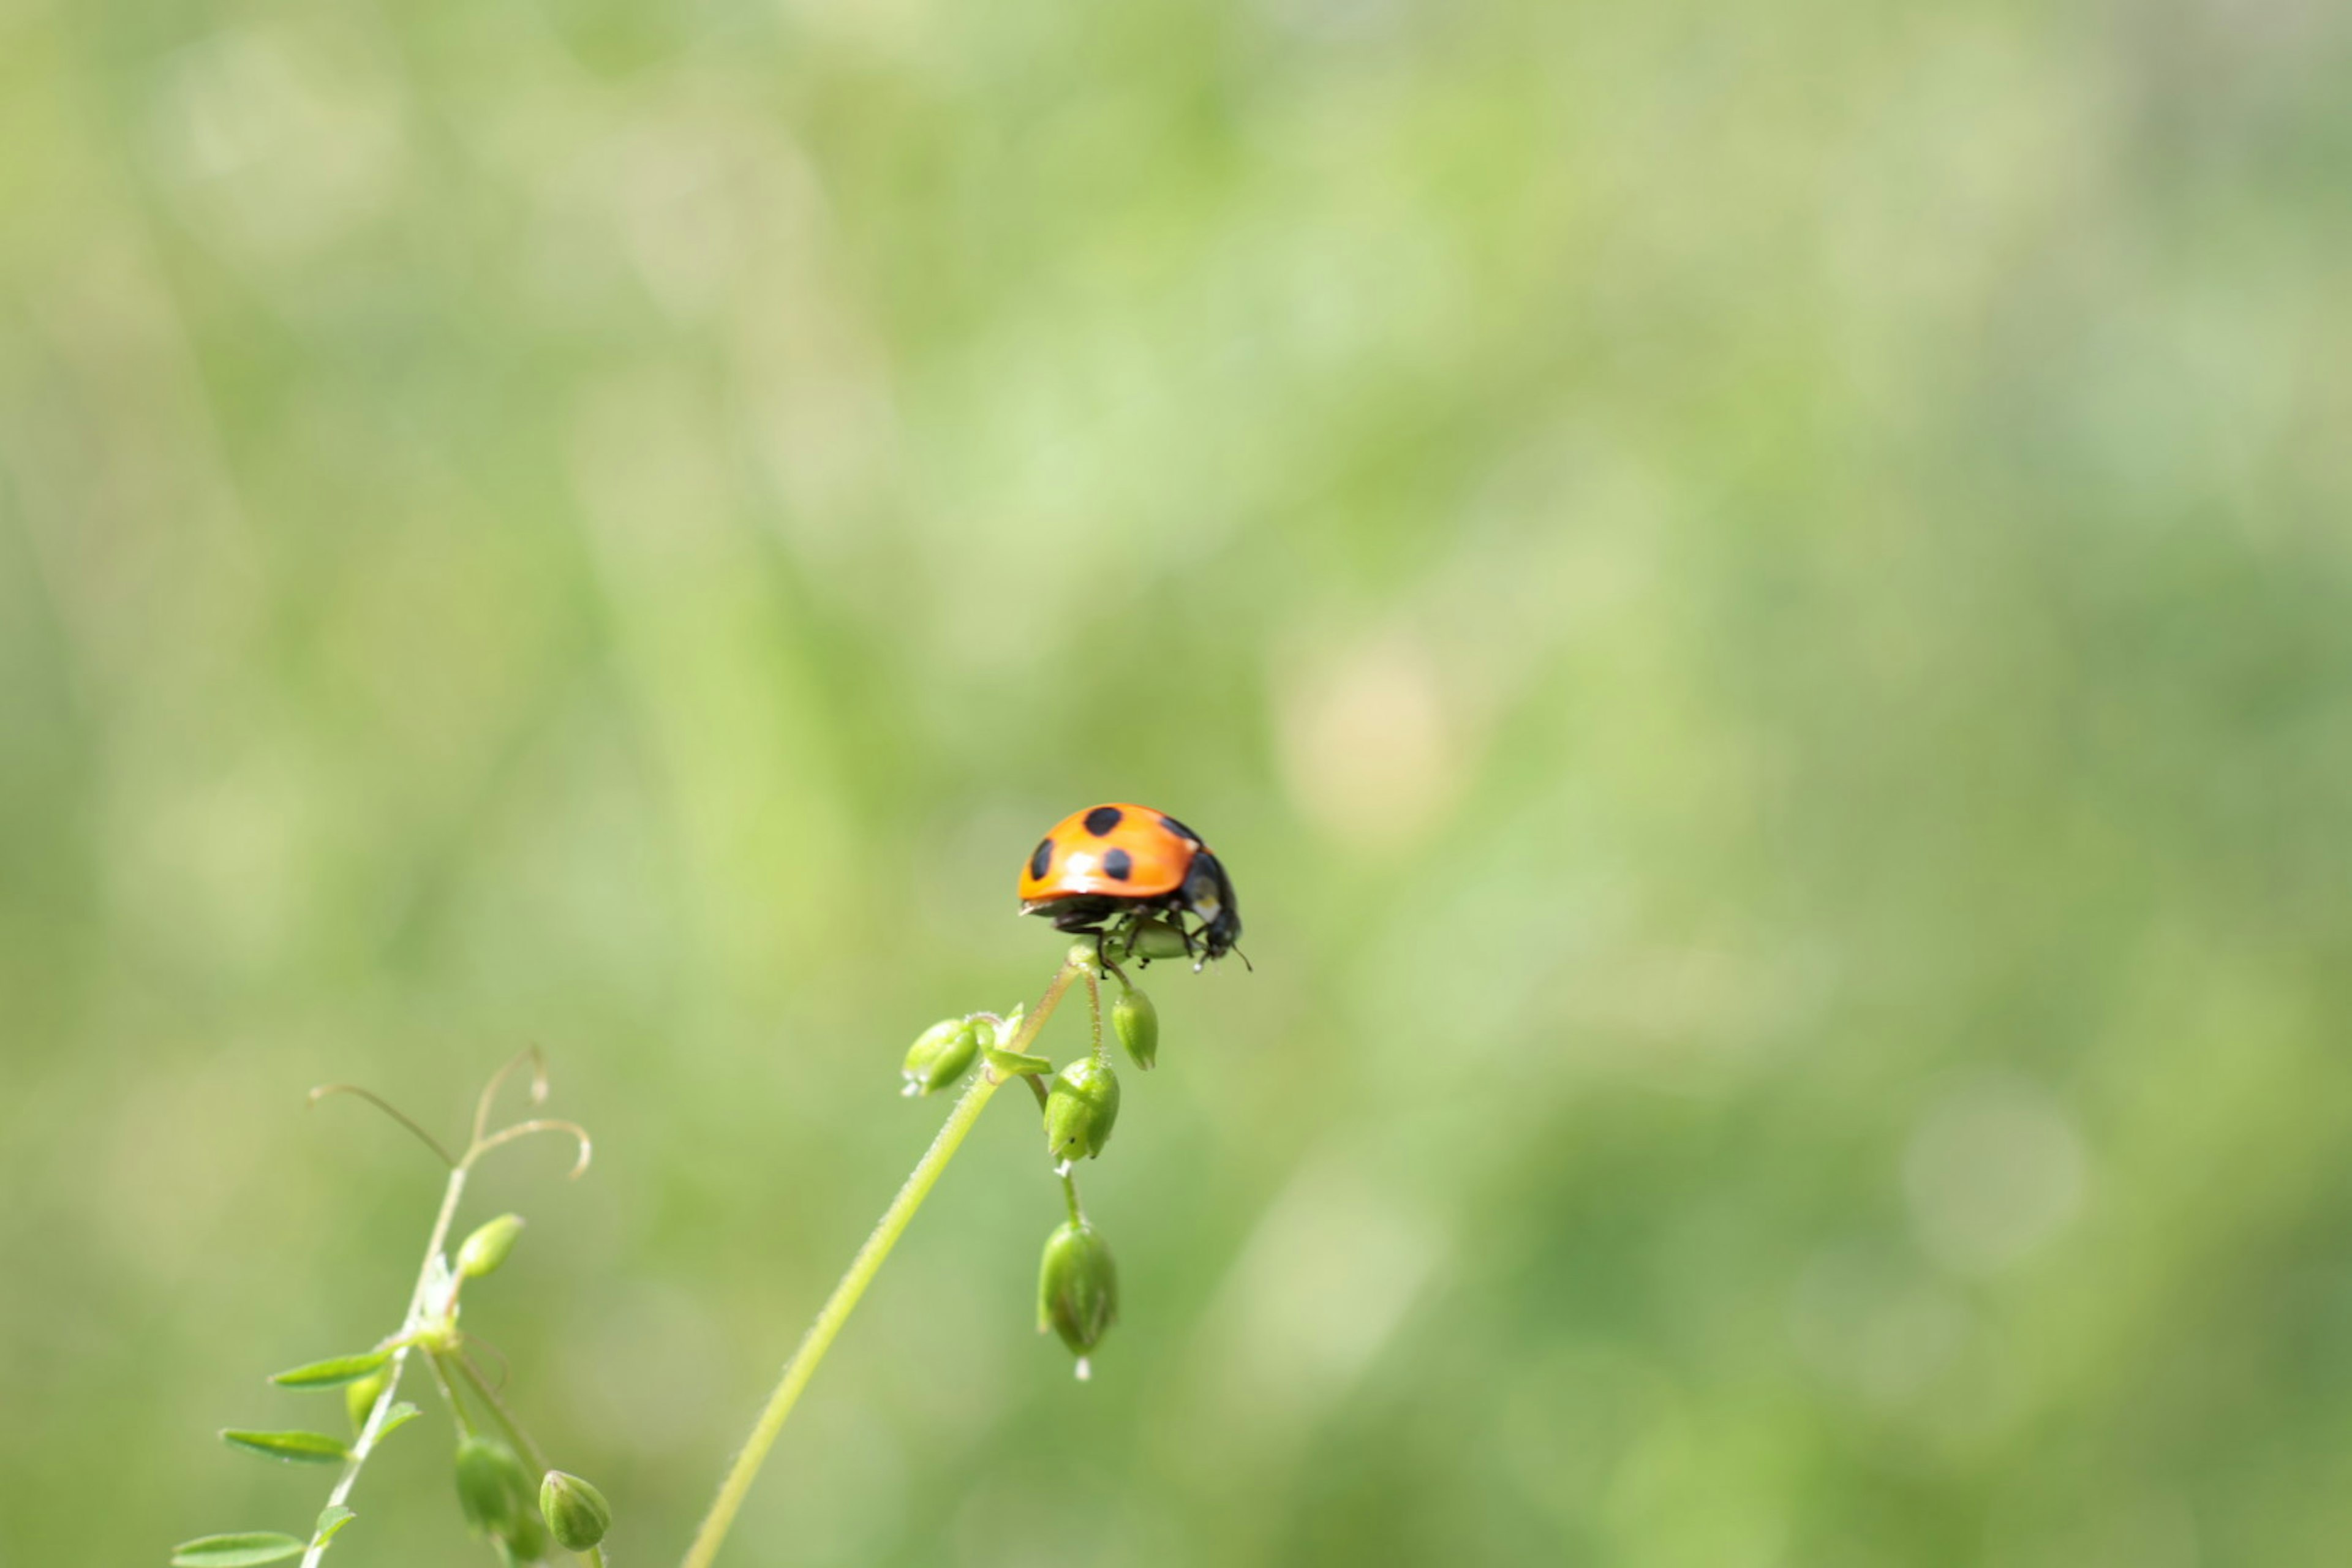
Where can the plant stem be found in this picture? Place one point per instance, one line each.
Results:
(852, 1286)
(1094, 1007)
(458, 1411)
(505, 1417)
(365, 1443)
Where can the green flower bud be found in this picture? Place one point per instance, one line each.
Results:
(576, 1513)
(488, 1247)
(493, 1489)
(1080, 1109)
(359, 1398)
(1155, 938)
(1136, 1022)
(940, 1055)
(1078, 1288)
(526, 1539)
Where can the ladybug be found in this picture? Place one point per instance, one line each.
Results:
(1107, 868)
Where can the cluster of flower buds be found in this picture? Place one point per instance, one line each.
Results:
(496, 1495)
(526, 1518)
(1077, 1284)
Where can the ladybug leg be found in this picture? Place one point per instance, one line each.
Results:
(1122, 928)
(1126, 934)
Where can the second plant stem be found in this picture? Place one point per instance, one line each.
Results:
(861, 1272)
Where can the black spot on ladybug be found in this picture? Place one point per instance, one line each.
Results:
(1177, 828)
(1040, 859)
(1102, 819)
(1119, 865)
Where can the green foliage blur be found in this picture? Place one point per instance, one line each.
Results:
(1758, 599)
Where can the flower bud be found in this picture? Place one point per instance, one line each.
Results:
(1080, 1109)
(526, 1538)
(359, 1398)
(577, 1512)
(1077, 1287)
(493, 1489)
(488, 1247)
(940, 1053)
(1157, 938)
(1136, 1022)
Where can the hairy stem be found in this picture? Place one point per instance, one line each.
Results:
(1094, 1007)
(846, 1295)
(365, 1443)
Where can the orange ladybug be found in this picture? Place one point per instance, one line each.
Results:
(1106, 867)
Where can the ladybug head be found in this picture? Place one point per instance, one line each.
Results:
(1208, 895)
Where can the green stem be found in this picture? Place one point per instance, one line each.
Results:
(847, 1294)
(458, 1411)
(364, 1444)
(499, 1411)
(1094, 1007)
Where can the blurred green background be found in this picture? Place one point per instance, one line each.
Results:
(1758, 600)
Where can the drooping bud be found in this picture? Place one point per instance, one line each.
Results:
(526, 1539)
(940, 1053)
(488, 1247)
(576, 1513)
(1080, 1109)
(359, 1398)
(493, 1489)
(1136, 1022)
(1077, 1287)
(1157, 938)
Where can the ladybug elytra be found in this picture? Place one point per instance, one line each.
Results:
(1109, 866)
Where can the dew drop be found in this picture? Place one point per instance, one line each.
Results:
(1085, 1369)
(1062, 1170)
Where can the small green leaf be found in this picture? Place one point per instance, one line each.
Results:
(326, 1373)
(332, 1517)
(247, 1551)
(294, 1448)
(1015, 1064)
(400, 1415)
